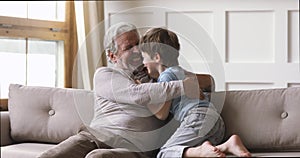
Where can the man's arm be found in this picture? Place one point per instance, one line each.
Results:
(117, 87)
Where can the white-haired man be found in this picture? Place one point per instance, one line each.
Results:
(122, 125)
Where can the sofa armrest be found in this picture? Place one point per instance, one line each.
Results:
(5, 129)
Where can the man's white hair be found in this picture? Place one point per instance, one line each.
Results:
(112, 33)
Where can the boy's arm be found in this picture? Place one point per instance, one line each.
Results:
(160, 111)
(163, 111)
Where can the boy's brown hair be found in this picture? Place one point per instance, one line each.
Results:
(164, 42)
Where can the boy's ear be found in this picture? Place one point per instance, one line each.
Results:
(112, 57)
(157, 57)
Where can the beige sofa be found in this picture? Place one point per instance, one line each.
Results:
(40, 117)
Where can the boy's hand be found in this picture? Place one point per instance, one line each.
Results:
(192, 89)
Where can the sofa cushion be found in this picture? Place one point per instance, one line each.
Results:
(24, 150)
(46, 114)
(265, 119)
(276, 154)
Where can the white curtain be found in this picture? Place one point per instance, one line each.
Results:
(89, 22)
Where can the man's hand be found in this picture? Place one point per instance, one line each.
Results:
(140, 75)
(192, 89)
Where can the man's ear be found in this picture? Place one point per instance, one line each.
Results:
(112, 57)
(157, 58)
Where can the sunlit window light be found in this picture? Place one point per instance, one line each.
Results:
(41, 10)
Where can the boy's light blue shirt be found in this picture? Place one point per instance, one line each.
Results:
(180, 105)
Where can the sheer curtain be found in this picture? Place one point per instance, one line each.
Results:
(89, 21)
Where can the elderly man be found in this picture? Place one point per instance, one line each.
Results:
(122, 125)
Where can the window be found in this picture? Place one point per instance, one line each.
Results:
(35, 44)
(42, 10)
(35, 62)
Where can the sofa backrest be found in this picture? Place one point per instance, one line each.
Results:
(45, 114)
(265, 119)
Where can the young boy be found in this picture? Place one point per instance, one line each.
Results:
(201, 126)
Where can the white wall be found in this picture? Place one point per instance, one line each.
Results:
(244, 44)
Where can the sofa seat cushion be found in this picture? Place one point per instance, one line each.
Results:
(46, 114)
(275, 154)
(264, 119)
(24, 150)
(271, 154)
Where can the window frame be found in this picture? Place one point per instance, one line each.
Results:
(45, 30)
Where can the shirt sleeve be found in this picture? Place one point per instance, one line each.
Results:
(167, 76)
(117, 87)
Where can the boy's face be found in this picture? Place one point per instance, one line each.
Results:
(151, 64)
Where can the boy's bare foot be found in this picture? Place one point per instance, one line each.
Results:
(204, 150)
(234, 145)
